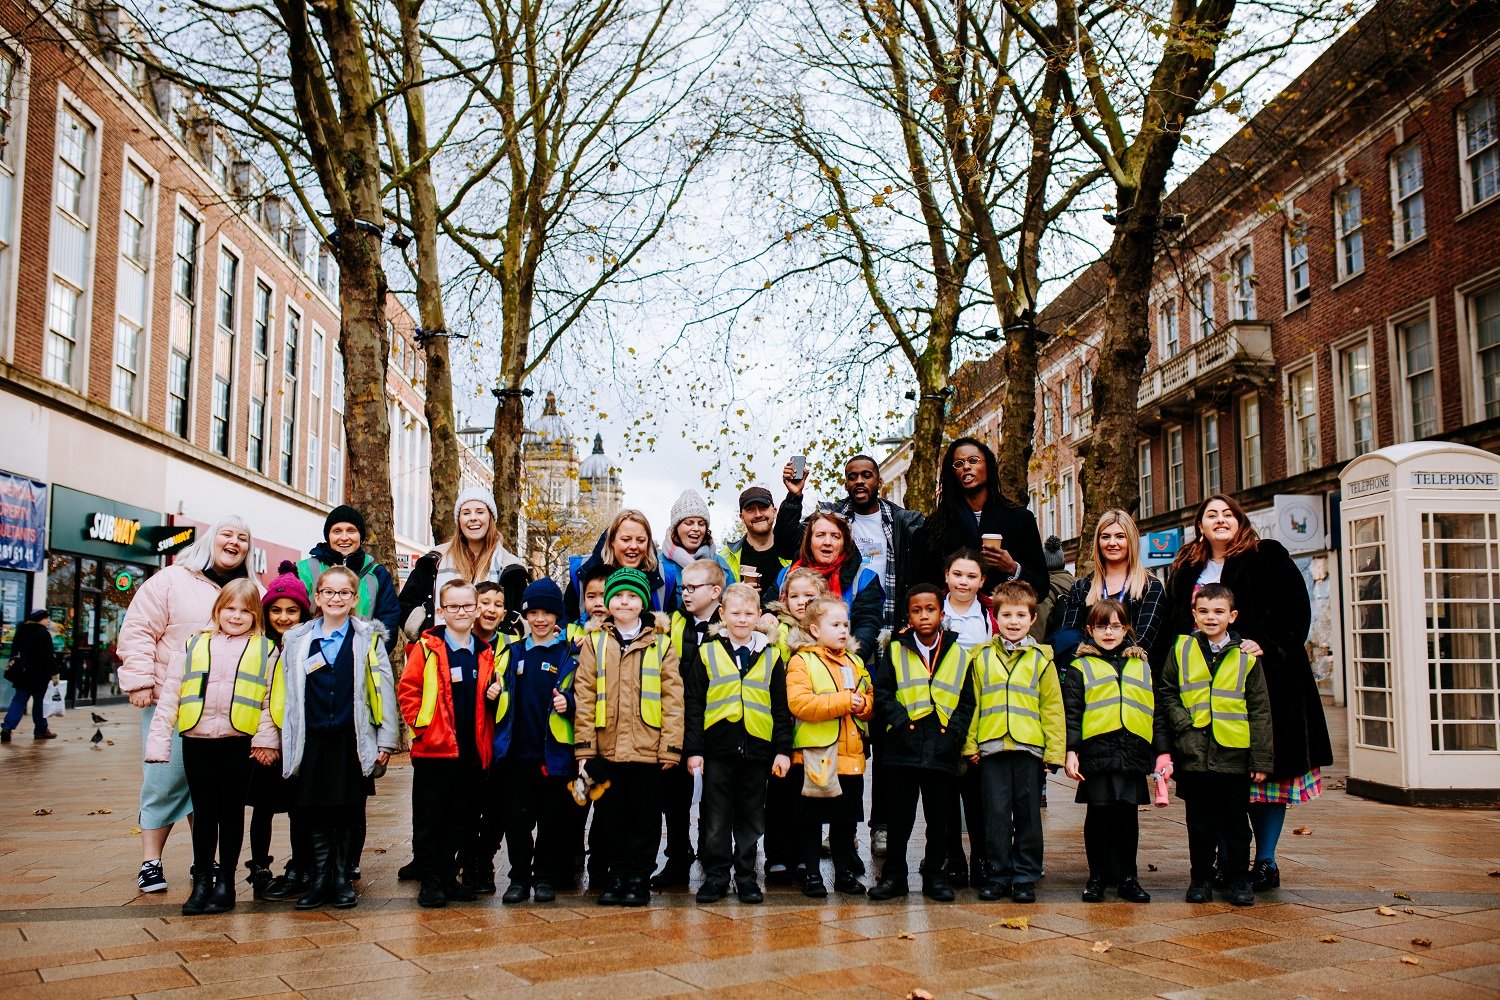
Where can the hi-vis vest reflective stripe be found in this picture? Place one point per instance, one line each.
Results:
(372, 688)
(919, 692)
(825, 733)
(1010, 701)
(251, 681)
(732, 697)
(310, 569)
(650, 683)
(679, 628)
(502, 704)
(1217, 699)
(1111, 700)
(561, 726)
(575, 633)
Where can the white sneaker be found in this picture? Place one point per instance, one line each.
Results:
(151, 878)
(878, 839)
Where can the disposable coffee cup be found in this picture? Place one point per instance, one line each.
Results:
(992, 542)
(750, 573)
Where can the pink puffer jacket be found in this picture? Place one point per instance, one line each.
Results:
(218, 694)
(168, 608)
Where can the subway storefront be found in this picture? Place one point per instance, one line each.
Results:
(99, 553)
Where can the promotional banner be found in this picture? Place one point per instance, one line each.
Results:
(23, 523)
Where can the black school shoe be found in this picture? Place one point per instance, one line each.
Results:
(1241, 894)
(1265, 876)
(1023, 892)
(712, 891)
(1093, 890)
(1199, 892)
(543, 892)
(409, 872)
(813, 887)
(749, 892)
(994, 890)
(937, 889)
(432, 896)
(888, 888)
(637, 893)
(516, 892)
(846, 883)
(1130, 890)
(613, 892)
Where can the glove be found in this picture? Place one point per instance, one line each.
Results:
(1164, 765)
(413, 624)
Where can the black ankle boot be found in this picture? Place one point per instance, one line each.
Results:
(197, 901)
(259, 877)
(290, 885)
(1264, 876)
(221, 897)
(340, 889)
(320, 888)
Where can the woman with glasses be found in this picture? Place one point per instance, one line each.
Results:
(973, 512)
(1118, 575)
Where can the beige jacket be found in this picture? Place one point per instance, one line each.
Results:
(626, 738)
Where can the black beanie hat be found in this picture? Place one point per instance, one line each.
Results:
(344, 514)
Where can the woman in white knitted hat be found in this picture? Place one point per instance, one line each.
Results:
(689, 537)
(475, 553)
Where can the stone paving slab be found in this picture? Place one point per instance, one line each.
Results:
(73, 927)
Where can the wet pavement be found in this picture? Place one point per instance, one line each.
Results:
(73, 926)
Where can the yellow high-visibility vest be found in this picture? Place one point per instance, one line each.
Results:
(920, 692)
(825, 733)
(561, 726)
(251, 681)
(1009, 695)
(732, 697)
(502, 704)
(1112, 700)
(372, 687)
(1215, 699)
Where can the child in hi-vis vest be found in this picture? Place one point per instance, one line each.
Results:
(1018, 721)
(1115, 741)
(1214, 697)
(216, 697)
(628, 729)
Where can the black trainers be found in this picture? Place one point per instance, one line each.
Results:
(1023, 892)
(1199, 892)
(151, 878)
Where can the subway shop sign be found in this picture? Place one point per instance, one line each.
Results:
(92, 525)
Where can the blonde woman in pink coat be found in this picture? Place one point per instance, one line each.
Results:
(168, 608)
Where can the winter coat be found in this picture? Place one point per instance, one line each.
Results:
(167, 608)
(439, 737)
(557, 758)
(1146, 618)
(807, 705)
(32, 660)
(224, 654)
(904, 563)
(370, 737)
(626, 738)
(726, 738)
(925, 743)
(960, 531)
(1275, 611)
(663, 579)
(1196, 749)
(387, 608)
(864, 606)
(425, 581)
(1119, 752)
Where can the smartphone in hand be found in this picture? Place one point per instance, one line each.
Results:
(799, 467)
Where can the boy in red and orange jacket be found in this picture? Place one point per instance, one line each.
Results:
(442, 699)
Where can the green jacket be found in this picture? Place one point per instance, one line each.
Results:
(1196, 749)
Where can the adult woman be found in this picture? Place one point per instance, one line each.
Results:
(625, 543)
(970, 504)
(1119, 575)
(343, 545)
(1274, 614)
(828, 548)
(167, 609)
(475, 553)
(688, 536)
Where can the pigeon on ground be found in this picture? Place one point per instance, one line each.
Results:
(98, 737)
(98, 718)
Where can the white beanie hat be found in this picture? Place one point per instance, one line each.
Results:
(690, 504)
(469, 494)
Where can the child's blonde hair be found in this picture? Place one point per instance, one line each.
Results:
(741, 592)
(248, 595)
(805, 573)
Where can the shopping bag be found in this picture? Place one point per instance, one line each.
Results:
(54, 698)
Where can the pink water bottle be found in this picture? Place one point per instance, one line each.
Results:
(1161, 789)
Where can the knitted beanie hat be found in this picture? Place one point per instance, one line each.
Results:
(690, 504)
(627, 578)
(470, 494)
(344, 514)
(543, 595)
(288, 585)
(1052, 551)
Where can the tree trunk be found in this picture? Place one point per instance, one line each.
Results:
(437, 403)
(1017, 410)
(505, 448)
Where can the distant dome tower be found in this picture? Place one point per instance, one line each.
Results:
(599, 486)
(550, 459)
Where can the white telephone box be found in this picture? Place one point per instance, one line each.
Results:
(1421, 579)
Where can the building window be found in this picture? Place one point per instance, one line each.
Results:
(1348, 230)
(1046, 417)
(336, 390)
(1359, 405)
(224, 341)
(1065, 406)
(1147, 480)
(289, 396)
(1418, 377)
(184, 318)
(1242, 284)
(9, 66)
(1302, 394)
(1166, 327)
(1208, 444)
(1201, 301)
(134, 285)
(1069, 507)
(1086, 389)
(335, 471)
(313, 475)
(72, 231)
(1486, 309)
(260, 374)
(1298, 277)
(315, 364)
(1250, 466)
(1410, 213)
(1176, 470)
(1479, 151)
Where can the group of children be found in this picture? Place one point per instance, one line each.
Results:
(520, 723)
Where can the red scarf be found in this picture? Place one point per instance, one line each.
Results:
(830, 573)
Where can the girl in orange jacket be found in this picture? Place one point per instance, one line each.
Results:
(831, 699)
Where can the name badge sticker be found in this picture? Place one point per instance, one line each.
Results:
(316, 663)
(849, 678)
(455, 674)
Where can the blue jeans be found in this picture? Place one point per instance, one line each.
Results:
(17, 710)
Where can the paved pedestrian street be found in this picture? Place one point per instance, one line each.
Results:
(1374, 895)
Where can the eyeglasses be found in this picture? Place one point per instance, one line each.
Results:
(975, 460)
(1110, 627)
(461, 608)
(342, 595)
(690, 588)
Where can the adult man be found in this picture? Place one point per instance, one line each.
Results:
(32, 666)
(885, 533)
(753, 559)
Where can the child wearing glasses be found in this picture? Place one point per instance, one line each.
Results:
(1115, 741)
(441, 694)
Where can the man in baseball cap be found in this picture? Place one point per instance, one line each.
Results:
(752, 559)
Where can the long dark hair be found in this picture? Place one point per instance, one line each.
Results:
(1198, 551)
(950, 492)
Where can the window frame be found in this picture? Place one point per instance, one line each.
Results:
(1069, 524)
(1298, 458)
(1242, 285)
(1396, 323)
(1348, 241)
(1176, 465)
(222, 425)
(1400, 219)
(86, 217)
(1167, 318)
(286, 464)
(140, 376)
(1344, 429)
(13, 170)
(1250, 444)
(1201, 319)
(184, 211)
(1145, 475)
(1296, 297)
(260, 435)
(1471, 364)
(1210, 458)
(1468, 201)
